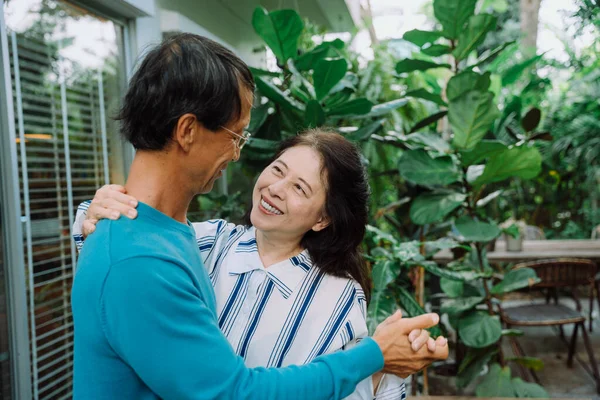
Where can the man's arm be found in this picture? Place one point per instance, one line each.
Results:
(156, 320)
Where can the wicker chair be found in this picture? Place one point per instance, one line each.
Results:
(564, 273)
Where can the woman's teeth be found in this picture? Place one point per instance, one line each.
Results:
(269, 208)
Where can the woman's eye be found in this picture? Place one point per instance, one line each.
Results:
(298, 187)
(277, 169)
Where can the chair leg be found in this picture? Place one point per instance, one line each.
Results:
(572, 347)
(562, 333)
(576, 298)
(517, 350)
(597, 296)
(590, 351)
(592, 295)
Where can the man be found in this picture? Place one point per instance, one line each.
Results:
(143, 306)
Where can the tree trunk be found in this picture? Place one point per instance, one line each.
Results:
(530, 11)
(367, 17)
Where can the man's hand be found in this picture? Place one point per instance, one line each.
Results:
(402, 343)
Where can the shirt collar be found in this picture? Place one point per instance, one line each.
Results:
(286, 275)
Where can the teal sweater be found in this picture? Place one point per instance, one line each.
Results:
(146, 326)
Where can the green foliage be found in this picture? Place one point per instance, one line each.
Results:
(498, 383)
(453, 15)
(419, 167)
(471, 115)
(280, 30)
(478, 329)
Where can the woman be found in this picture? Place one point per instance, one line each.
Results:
(290, 284)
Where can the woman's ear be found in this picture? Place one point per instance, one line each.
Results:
(321, 224)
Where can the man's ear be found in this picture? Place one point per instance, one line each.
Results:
(186, 131)
(321, 224)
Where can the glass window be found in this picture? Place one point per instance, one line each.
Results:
(67, 68)
(5, 371)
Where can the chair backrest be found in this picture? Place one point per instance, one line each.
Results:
(562, 272)
(534, 233)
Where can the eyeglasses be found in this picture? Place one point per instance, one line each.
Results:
(242, 139)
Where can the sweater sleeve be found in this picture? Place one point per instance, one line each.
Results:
(156, 320)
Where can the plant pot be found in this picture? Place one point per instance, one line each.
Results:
(513, 244)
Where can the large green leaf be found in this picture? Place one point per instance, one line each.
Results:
(366, 131)
(497, 383)
(382, 305)
(280, 30)
(513, 74)
(433, 207)
(445, 272)
(277, 96)
(314, 116)
(418, 167)
(410, 65)
(451, 287)
(483, 150)
(436, 50)
(478, 27)
(263, 72)
(523, 162)
(478, 329)
(381, 235)
(491, 55)
(327, 73)
(516, 279)
(430, 141)
(528, 389)
(453, 15)
(426, 95)
(326, 49)
(408, 252)
(470, 116)
(476, 231)
(353, 107)
(459, 306)
(413, 309)
(428, 121)
(258, 117)
(384, 273)
(420, 37)
(473, 364)
(465, 82)
(384, 108)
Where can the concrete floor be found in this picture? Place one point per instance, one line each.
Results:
(556, 377)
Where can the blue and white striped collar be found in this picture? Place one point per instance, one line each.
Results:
(286, 275)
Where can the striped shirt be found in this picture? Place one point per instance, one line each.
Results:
(288, 313)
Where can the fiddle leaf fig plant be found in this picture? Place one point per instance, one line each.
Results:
(454, 173)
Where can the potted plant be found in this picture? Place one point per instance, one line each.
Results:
(513, 232)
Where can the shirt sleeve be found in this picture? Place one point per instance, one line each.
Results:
(354, 331)
(78, 224)
(155, 319)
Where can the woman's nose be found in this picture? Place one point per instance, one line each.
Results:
(277, 189)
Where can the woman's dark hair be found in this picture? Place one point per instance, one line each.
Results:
(185, 74)
(336, 249)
